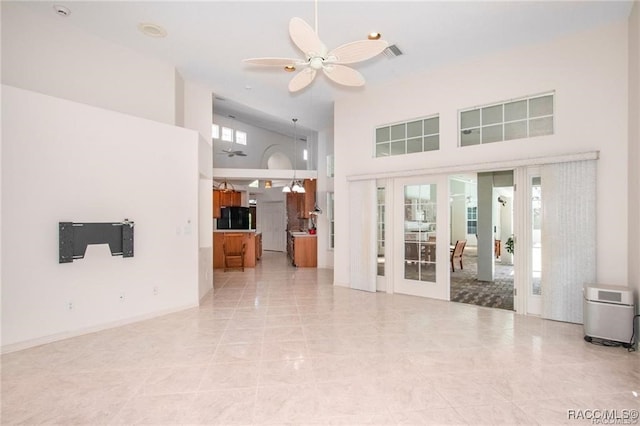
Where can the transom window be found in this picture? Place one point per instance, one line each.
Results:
(516, 119)
(408, 137)
(227, 134)
(241, 137)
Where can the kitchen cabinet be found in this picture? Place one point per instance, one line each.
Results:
(309, 198)
(225, 199)
(258, 246)
(300, 204)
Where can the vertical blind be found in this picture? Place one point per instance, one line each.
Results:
(362, 227)
(568, 237)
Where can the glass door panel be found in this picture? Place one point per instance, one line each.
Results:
(420, 207)
(421, 257)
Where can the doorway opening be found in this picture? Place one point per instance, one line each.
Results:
(481, 209)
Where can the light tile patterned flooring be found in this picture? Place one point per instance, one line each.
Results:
(279, 345)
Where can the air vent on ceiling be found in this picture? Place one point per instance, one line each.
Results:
(392, 51)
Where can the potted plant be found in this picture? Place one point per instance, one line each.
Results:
(509, 244)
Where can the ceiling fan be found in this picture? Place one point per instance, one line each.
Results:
(317, 57)
(232, 153)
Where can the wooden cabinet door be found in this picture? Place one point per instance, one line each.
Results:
(230, 198)
(309, 197)
(216, 203)
(236, 198)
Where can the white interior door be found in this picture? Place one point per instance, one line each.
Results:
(421, 242)
(271, 222)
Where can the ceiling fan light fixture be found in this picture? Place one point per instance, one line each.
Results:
(225, 186)
(374, 35)
(286, 188)
(289, 68)
(297, 187)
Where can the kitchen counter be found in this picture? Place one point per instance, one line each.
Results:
(301, 234)
(233, 231)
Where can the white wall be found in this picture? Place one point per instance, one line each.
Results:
(591, 114)
(65, 161)
(260, 144)
(50, 56)
(634, 146)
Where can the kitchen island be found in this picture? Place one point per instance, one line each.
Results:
(253, 244)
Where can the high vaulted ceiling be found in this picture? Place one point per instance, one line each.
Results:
(207, 41)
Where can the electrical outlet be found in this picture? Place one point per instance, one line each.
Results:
(70, 306)
(122, 297)
(155, 290)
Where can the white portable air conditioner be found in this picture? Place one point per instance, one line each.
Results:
(608, 312)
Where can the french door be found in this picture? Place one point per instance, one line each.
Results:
(421, 247)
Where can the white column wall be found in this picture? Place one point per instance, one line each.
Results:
(66, 161)
(591, 114)
(197, 109)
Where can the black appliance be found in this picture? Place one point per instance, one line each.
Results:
(234, 218)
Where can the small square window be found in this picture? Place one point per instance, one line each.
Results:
(398, 148)
(515, 130)
(414, 145)
(382, 150)
(515, 111)
(470, 137)
(398, 132)
(470, 119)
(215, 131)
(383, 134)
(432, 143)
(241, 137)
(492, 134)
(432, 126)
(227, 134)
(492, 115)
(541, 106)
(541, 126)
(414, 129)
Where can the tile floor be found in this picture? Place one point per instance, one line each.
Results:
(278, 345)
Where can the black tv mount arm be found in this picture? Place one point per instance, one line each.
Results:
(74, 238)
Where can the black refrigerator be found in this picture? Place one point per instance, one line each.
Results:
(234, 218)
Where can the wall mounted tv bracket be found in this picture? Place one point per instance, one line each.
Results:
(74, 238)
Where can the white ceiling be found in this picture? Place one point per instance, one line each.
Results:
(207, 41)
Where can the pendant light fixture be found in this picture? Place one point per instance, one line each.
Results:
(296, 185)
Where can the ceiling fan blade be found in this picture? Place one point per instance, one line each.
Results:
(302, 79)
(306, 38)
(241, 154)
(343, 75)
(275, 62)
(357, 51)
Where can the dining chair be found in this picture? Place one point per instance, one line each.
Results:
(233, 248)
(456, 253)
